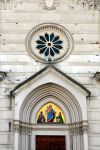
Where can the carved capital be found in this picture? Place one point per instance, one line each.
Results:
(78, 128)
(22, 127)
(85, 127)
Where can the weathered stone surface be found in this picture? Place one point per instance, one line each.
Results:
(81, 65)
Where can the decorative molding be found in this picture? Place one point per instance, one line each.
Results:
(78, 128)
(22, 127)
(8, 4)
(52, 4)
(97, 76)
(85, 127)
(49, 4)
(90, 4)
(46, 4)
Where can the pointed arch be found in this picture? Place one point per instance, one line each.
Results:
(57, 92)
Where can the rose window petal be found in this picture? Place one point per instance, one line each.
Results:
(47, 37)
(55, 39)
(51, 36)
(47, 52)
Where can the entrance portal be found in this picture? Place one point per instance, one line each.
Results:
(50, 142)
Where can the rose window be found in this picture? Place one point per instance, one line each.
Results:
(49, 43)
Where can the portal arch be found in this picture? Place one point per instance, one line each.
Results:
(66, 93)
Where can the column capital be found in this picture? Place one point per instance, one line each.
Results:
(22, 127)
(78, 128)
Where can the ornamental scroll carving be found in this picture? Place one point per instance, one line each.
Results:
(90, 4)
(52, 4)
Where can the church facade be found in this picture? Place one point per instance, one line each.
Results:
(50, 75)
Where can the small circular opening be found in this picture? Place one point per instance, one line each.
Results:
(49, 44)
(49, 59)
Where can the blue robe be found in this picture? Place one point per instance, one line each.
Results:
(51, 115)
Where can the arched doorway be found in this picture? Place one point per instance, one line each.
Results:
(68, 96)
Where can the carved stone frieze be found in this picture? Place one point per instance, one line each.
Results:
(85, 127)
(90, 4)
(78, 128)
(22, 127)
(52, 4)
(49, 4)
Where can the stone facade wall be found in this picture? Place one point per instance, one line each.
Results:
(81, 65)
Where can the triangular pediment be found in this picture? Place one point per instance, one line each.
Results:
(50, 74)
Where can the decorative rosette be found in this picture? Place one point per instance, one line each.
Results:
(49, 44)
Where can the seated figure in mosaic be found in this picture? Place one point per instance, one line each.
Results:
(50, 114)
(41, 118)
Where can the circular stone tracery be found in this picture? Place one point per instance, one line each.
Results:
(49, 43)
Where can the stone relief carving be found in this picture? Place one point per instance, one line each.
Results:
(52, 4)
(6, 4)
(49, 4)
(90, 4)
